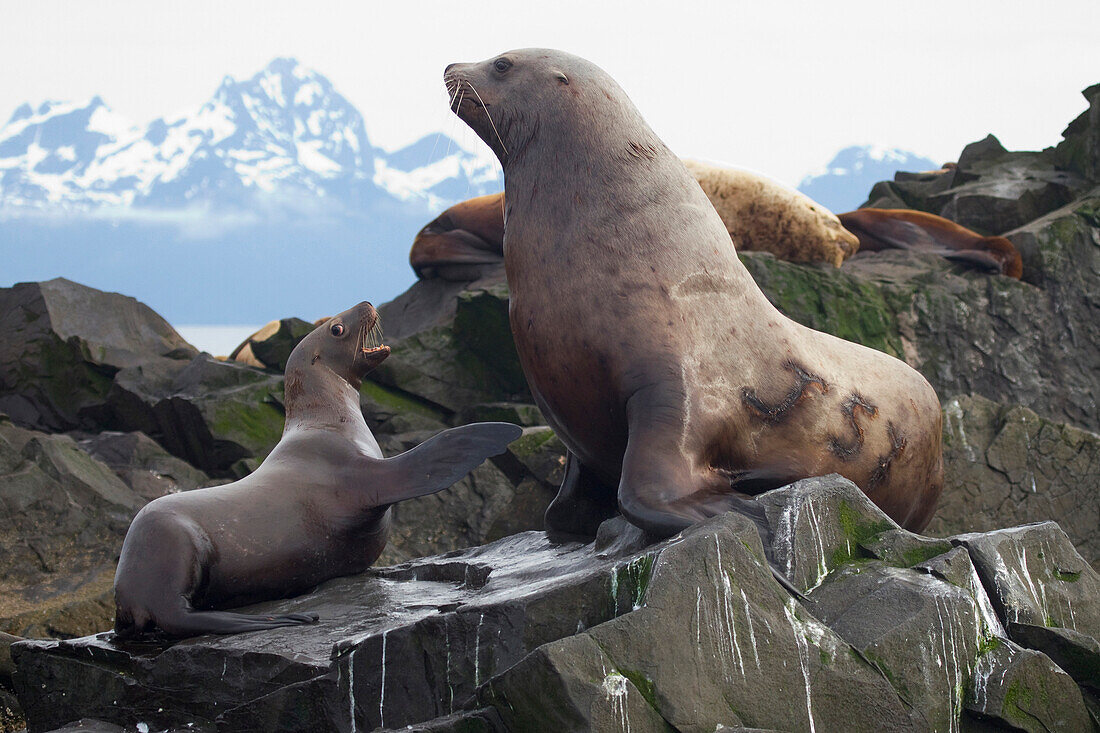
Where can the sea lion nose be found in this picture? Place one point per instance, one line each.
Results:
(448, 69)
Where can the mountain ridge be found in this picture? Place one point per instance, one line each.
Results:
(284, 130)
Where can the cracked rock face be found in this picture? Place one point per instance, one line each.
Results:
(894, 632)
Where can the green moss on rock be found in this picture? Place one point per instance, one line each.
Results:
(828, 300)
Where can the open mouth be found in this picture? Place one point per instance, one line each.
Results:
(460, 92)
(372, 340)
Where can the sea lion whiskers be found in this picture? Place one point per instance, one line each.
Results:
(488, 117)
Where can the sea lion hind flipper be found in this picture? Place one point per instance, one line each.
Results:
(187, 622)
(448, 249)
(441, 460)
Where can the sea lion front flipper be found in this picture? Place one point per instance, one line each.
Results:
(663, 492)
(981, 260)
(582, 503)
(439, 461)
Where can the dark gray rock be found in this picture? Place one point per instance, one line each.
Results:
(1080, 150)
(687, 634)
(886, 613)
(819, 524)
(1078, 654)
(452, 345)
(64, 342)
(1005, 466)
(714, 640)
(66, 515)
(142, 464)
(1044, 593)
(513, 412)
(1028, 691)
(572, 685)
(1036, 577)
(991, 191)
(443, 625)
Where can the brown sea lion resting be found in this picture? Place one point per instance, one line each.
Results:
(677, 387)
(880, 229)
(318, 506)
(760, 215)
(468, 234)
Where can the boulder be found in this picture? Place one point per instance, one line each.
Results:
(1004, 465)
(692, 633)
(143, 464)
(270, 347)
(67, 514)
(1079, 151)
(991, 190)
(1030, 692)
(64, 342)
(452, 345)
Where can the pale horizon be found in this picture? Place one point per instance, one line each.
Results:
(776, 89)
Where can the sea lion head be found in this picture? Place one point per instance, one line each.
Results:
(348, 344)
(521, 97)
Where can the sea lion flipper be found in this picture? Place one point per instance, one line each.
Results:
(582, 503)
(453, 248)
(186, 622)
(443, 459)
(981, 260)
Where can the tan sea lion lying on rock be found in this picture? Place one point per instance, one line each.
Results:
(318, 506)
(677, 387)
(760, 215)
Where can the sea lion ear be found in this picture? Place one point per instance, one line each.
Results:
(560, 76)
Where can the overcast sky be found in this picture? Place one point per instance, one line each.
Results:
(777, 87)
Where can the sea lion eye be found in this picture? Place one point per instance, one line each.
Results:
(502, 65)
(337, 329)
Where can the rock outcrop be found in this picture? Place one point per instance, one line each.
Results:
(894, 632)
(106, 408)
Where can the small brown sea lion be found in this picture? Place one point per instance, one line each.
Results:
(880, 229)
(318, 506)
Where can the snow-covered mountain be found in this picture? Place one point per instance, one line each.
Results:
(844, 183)
(284, 135)
(269, 200)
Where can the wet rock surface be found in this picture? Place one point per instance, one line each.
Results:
(691, 633)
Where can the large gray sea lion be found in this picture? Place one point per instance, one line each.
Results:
(317, 507)
(677, 387)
